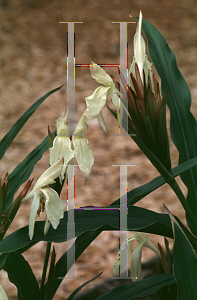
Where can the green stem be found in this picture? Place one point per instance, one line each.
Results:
(46, 260)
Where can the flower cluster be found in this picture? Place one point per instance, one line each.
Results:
(54, 205)
(65, 148)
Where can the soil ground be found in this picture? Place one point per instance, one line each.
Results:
(33, 61)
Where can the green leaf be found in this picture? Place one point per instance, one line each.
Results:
(20, 273)
(140, 192)
(183, 125)
(139, 288)
(81, 286)
(3, 258)
(150, 220)
(23, 171)
(10, 136)
(184, 263)
(138, 219)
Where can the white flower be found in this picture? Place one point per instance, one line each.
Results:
(53, 204)
(135, 264)
(97, 100)
(3, 295)
(80, 144)
(78, 147)
(61, 145)
(140, 56)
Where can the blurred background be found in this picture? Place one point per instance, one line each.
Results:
(33, 49)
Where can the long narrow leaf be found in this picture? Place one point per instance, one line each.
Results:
(140, 288)
(138, 219)
(140, 192)
(23, 171)
(20, 273)
(183, 126)
(19, 239)
(81, 286)
(9, 137)
(184, 263)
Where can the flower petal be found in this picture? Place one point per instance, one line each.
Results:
(49, 175)
(135, 265)
(141, 237)
(33, 213)
(140, 56)
(83, 154)
(54, 206)
(139, 46)
(61, 148)
(150, 245)
(100, 75)
(82, 126)
(62, 128)
(96, 102)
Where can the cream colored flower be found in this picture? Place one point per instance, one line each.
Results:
(78, 147)
(140, 56)
(97, 100)
(53, 204)
(135, 264)
(80, 144)
(61, 145)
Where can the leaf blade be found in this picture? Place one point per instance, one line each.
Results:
(12, 133)
(183, 126)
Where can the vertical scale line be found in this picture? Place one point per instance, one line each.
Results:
(123, 233)
(71, 121)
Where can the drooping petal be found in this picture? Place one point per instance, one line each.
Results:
(29, 196)
(83, 155)
(82, 126)
(3, 295)
(33, 213)
(150, 245)
(49, 175)
(96, 102)
(54, 206)
(46, 178)
(61, 148)
(100, 75)
(140, 237)
(135, 265)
